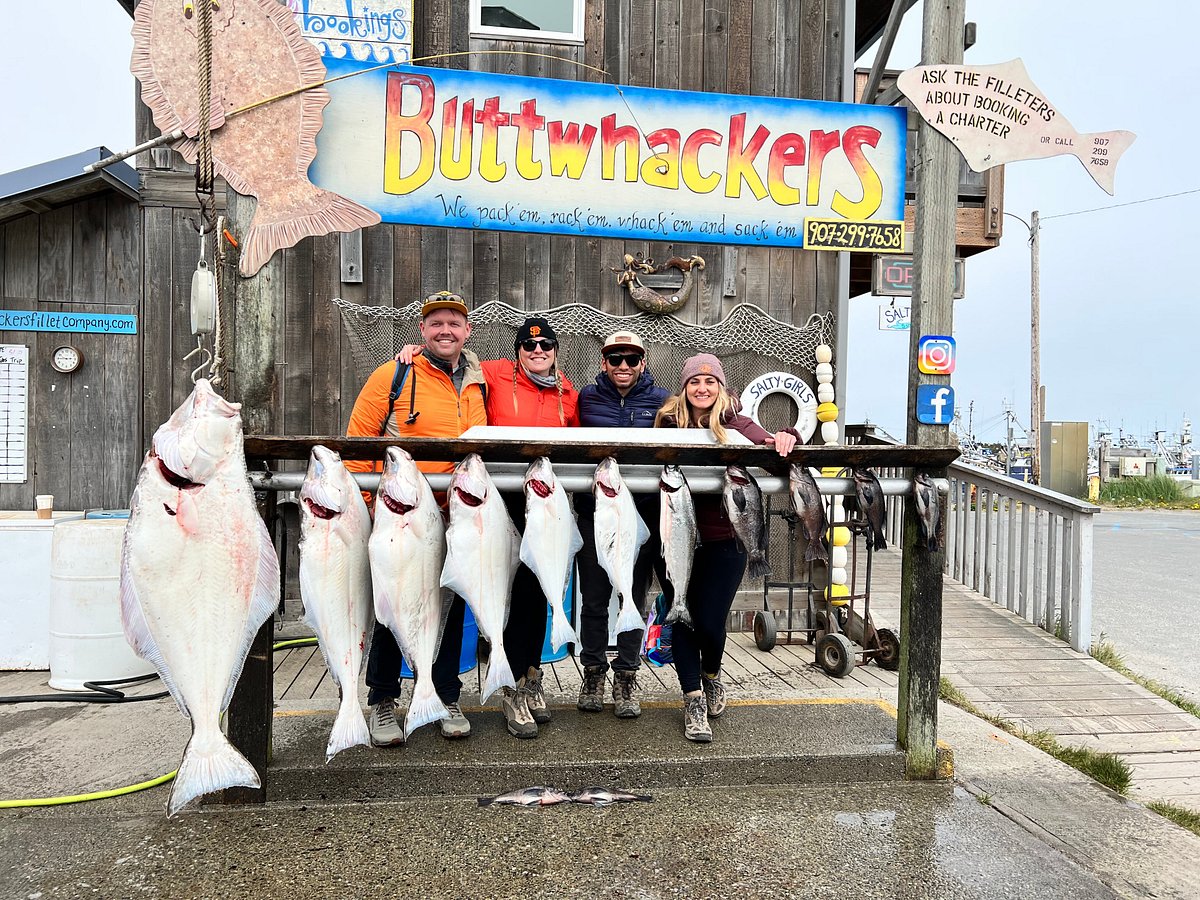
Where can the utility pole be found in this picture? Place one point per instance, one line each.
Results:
(936, 167)
(1008, 442)
(1035, 344)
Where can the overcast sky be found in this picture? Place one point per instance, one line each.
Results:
(1119, 319)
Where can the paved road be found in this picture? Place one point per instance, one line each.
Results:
(1147, 592)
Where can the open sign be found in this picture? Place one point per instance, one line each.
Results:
(892, 276)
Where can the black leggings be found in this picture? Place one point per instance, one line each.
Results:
(525, 632)
(717, 569)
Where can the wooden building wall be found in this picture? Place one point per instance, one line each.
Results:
(88, 430)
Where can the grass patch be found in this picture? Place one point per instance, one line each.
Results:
(1181, 816)
(1104, 652)
(1106, 768)
(1158, 490)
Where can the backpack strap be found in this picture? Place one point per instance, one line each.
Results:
(398, 379)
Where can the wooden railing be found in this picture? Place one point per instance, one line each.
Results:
(1024, 547)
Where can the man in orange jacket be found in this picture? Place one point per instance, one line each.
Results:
(442, 395)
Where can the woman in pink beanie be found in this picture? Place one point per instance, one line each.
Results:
(704, 401)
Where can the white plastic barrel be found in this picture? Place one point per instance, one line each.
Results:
(87, 641)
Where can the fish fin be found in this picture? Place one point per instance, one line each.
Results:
(816, 551)
(679, 614)
(739, 498)
(210, 763)
(561, 631)
(187, 516)
(499, 674)
(576, 541)
(137, 633)
(758, 565)
(263, 602)
(629, 618)
(425, 707)
(643, 531)
(880, 543)
(1115, 143)
(320, 213)
(349, 728)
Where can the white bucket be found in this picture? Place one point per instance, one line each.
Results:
(87, 640)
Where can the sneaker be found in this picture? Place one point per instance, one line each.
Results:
(535, 697)
(455, 725)
(714, 693)
(385, 730)
(516, 713)
(591, 692)
(695, 719)
(624, 692)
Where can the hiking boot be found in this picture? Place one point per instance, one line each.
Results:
(624, 693)
(535, 697)
(714, 693)
(695, 719)
(385, 730)
(591, 692)
(455, 725)
(516, 713)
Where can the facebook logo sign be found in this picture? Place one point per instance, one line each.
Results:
(935, 404)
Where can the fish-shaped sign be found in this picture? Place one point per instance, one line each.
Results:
(996, 115)
(257, 52)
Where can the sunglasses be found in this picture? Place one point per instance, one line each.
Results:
(540, 343)
(633, 360)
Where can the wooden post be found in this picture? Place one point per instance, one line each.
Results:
(937, 167)
(1035, 347)
(256, 302)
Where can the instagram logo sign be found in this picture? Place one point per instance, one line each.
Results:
(936, 354)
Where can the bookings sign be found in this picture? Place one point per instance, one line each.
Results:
(466, 149)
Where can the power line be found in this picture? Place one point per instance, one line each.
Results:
(1080, 212)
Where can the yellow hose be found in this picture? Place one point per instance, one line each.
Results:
(133, 788)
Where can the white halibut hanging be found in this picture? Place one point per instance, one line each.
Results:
(482, 549)
(620, 533)
(199, 577)
(550, 542)
(335, 584)
(407, 547)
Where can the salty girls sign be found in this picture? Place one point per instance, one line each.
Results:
(467, 149)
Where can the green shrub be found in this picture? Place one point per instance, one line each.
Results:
(1141, 491)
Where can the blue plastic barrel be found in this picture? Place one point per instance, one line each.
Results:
(548, 653)
(466, 660)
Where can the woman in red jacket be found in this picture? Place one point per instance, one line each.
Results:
(529, 391)
(719, 561)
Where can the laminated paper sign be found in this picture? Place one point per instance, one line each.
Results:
(465, 149)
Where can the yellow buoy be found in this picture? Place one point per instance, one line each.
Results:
(840, 535)
(831, 471)
(837, 593)
(827, 412)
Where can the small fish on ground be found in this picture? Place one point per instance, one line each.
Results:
(335, 584)
(868, 493)
(744, 505)
(528, 797)
(810, 509)
(679, 534)
(620, 533)
(550, 542)
(929, 510)
(601, 796)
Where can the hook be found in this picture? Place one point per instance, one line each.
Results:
(206, 357)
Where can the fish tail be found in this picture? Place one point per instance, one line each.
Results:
(816, 551)
(1099, 153)
(629, 619)
(349, 728)
(561, 631)
(499, 674)
(758, 566)
(425, 707)
(318, 213)
(880, 543)
(679, 614)
(210, 763)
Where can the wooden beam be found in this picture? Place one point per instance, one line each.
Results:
(895, 16)
(937, 167)
(497, 450)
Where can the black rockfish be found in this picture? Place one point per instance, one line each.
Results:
(869, 495)
(806, 501)
(744, 505)
(929, 510)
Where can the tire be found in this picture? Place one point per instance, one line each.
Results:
(888, 656)
(835, 654)
(764, 631)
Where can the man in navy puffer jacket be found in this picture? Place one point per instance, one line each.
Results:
(624, 396)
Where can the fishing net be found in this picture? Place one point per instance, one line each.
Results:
(748, 342)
